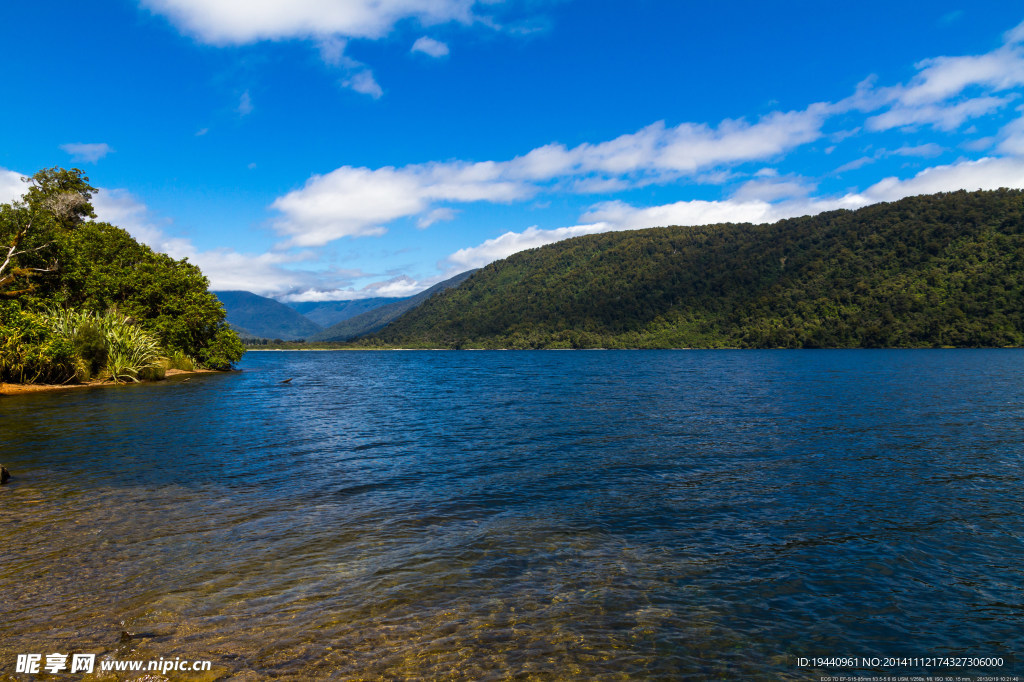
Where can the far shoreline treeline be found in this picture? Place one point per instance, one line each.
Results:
(82, 301)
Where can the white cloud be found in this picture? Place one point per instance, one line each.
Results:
(941, 116)
(437, 215)
(244, 104)
(854, 165)
(119, 207)
(355, 202)
(771, 189)
(929, 149)
(940, 94)
(223, 22)
(364, 82)
(513, 242)
(429, 46)
(941, 78)
(11, 186)
(686, 148)
(1011, 138)
(1015, 35)
(986, 174)
(332, 50)
(89, 153)
(622, 216)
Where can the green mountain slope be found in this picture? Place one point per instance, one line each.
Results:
(259, 316)
(375, 319)
(944, 269)
(327, 313)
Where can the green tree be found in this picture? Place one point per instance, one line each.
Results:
(31, 230)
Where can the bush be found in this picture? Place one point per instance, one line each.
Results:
(30, 352)
(106, 344)
(180, 360)
(224, 350)
(130, 350)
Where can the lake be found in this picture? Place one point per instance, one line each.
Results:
(536, 515)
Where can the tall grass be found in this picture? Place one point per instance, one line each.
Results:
(109, 345)
(131, 350)
(180, 360)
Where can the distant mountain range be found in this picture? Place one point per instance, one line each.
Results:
(258, 317)
(377, 318)
(327, 313)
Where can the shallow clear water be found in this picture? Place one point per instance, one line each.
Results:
(489, 515)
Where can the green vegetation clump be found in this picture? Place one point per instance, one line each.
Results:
(30, 350)
(926, 271)
(81, 299)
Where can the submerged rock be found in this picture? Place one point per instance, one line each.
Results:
(5, 475)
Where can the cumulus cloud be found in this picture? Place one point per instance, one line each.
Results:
(88, 153)
(356, 202)
(224, 22)
(986, 174)
(429, 46)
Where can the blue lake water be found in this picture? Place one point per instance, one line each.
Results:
(496, 515)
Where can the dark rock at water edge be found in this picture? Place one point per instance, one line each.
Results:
(5, 475)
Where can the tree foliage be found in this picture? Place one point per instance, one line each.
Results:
(32, 230)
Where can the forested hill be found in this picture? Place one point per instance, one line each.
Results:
(938, 270)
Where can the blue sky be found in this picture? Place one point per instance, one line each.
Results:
(333, 149)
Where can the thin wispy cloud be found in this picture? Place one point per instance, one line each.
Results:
(87, 152)
(244, 107)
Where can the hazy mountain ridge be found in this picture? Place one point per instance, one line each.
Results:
(375, 319)
(328, 313)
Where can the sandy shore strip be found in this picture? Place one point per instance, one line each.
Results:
(15, 389)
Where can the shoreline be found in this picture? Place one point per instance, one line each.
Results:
(20, 389)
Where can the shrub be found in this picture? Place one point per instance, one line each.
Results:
(224, 350)
(30, 351)
(107, 343)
